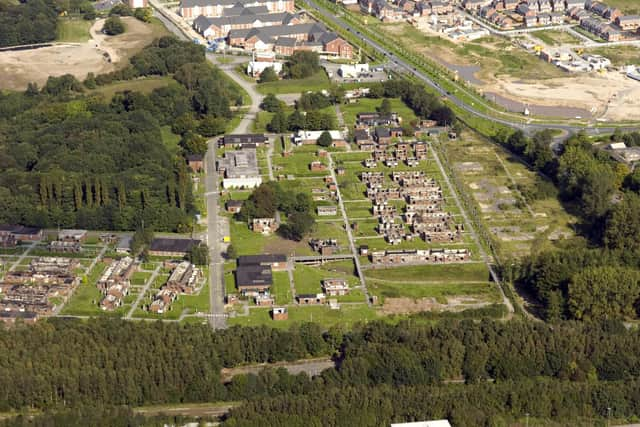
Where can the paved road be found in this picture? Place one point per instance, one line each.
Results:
(255, 97)
(216, 269)
(405, 66)
(347, 226)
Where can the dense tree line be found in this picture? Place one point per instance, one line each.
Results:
(76, 160)
(424, 104)
(95, 416)
(595, 279)
(32, 21)
(554, 372)
(111, 362)
(468, 405)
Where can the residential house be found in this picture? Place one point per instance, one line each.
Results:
(215, 28)
(382, 135)
(264, 225)
(325, 247)
(317, 166)
(311, 299)
(329, 210)
(279, 313)
(190, 9)
(233, 206)
(72, 235)
(628, 23)
(335, 287)
(195, 162)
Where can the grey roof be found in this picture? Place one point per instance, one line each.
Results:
(261, 259)
(201, 23)
(166, 244)
(383, 132)
(242, 10)
(253, 275)
(125, 242)
(245, 138)
(286, 41)
(327, 37)
(202, 3)
(247, 18)
(278, 31)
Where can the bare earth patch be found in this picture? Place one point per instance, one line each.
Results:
(101, 54)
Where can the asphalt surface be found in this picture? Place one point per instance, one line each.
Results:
(400, 63)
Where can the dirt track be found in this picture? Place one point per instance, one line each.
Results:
(18, 68)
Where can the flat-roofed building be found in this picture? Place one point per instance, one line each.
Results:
(240, 169)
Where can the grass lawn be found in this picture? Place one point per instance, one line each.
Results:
(170, 139)
(619, 55)
(144, 85)
(554, 38)
(308, 279)
(249, 243)
(315, 82)
(86, 298)
(346, 316)
(140, 278)
(365, 105)
(449, 273)
(281, 289)
(439, 291)
(298, 164)
(73, 30)
(629, 7)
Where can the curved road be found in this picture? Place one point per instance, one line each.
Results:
(527, 127)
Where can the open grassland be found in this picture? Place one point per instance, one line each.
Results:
(144, 85)
(346, 316)
(484, 291)
(619, 55)
(555, 38)
(508, 197)
(628, 7)
(308, 279)
(73, 30)
(469, 272)
(495, 57)
(315, 82)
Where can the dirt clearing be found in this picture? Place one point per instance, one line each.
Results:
(101, 54)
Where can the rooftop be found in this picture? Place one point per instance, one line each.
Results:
(166, 244)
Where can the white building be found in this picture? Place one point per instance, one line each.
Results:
(240, 169)
(311, 136)
(352, 71)
(255, 68)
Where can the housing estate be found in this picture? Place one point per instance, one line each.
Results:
(191, 9)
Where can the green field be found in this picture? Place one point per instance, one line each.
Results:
(145, 85)
(316, 82)
(73, 30)
(86, 298)
(308, 279)
(448, 273)
(619, 55)
(439, 291)
(346, 316)
(554, 38)
(629, 7)
(281, 289)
